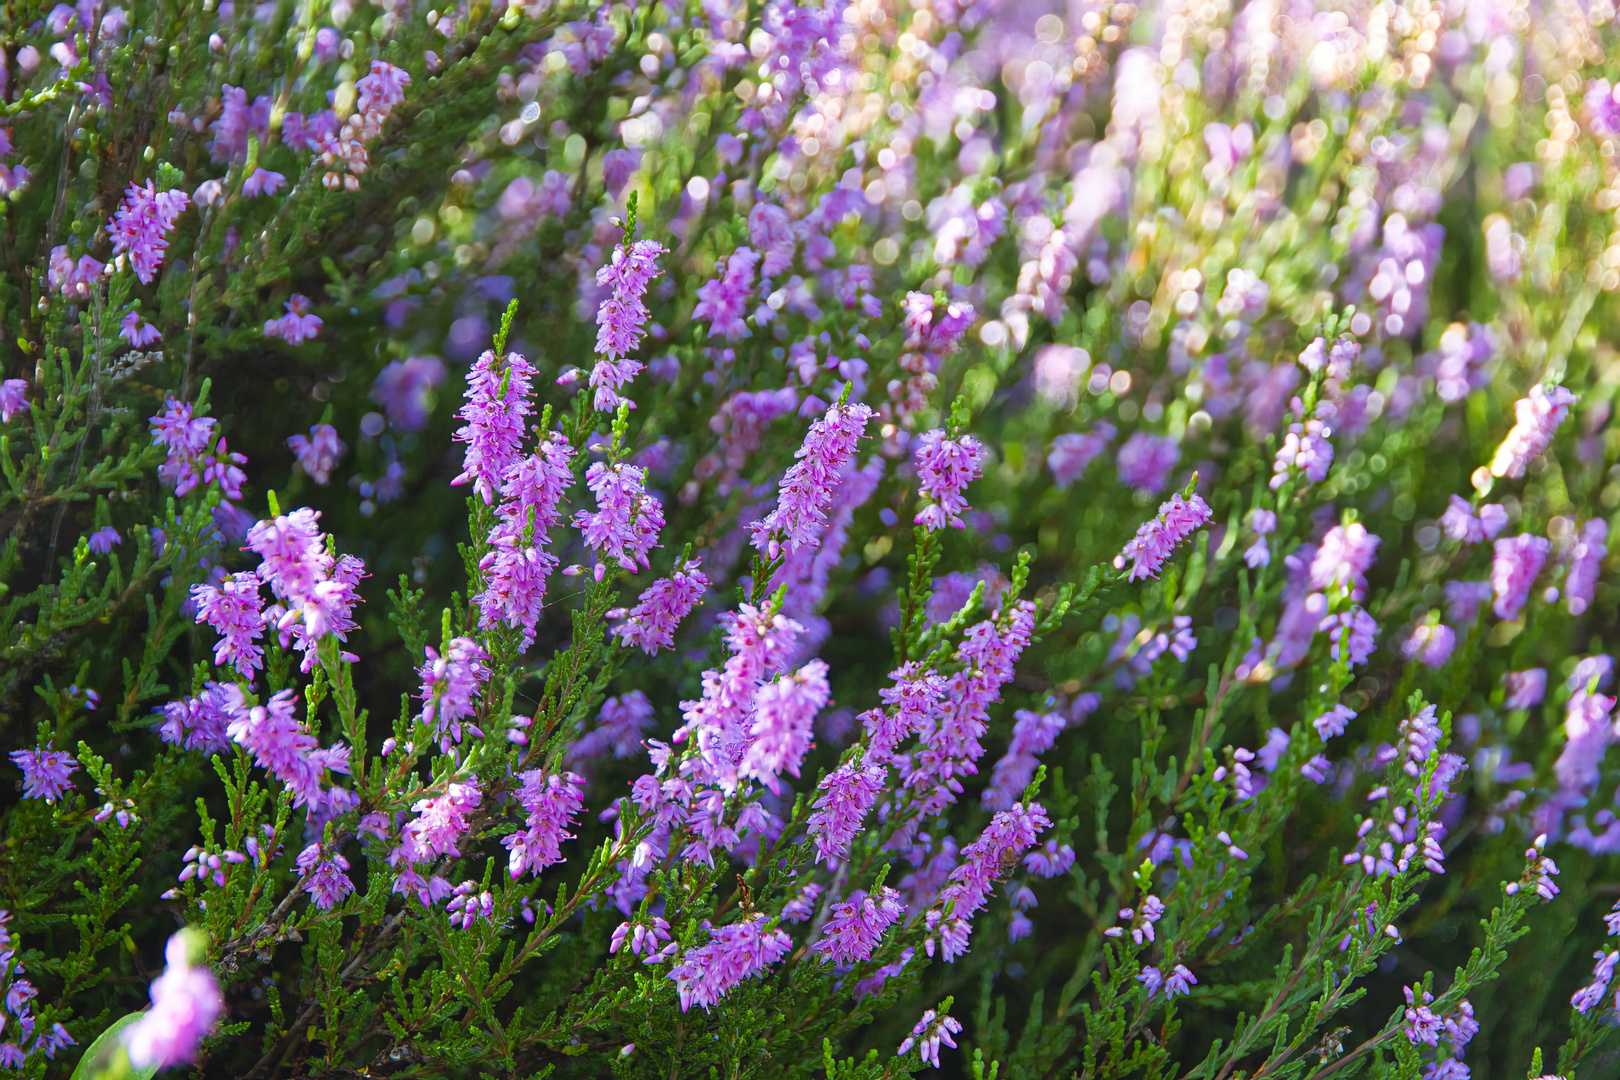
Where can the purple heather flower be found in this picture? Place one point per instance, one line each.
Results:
(915, 696)
(13, 399)
(1316, 769)
(103, 540)
(298, 325)
(1514, 566)
(404, 390)
(624, 527)
(235, 610)
(318, 453)
(1305, 447)
(237, 120)
(382, 89)
(185, 1004)
(1536, 420)
(141, 225)
(324, 879)
(652, 623)
(928, 1034)
(1151, 978)
(1179, 981)
(617, 167)
(1585, 564)
(517, 563)
(550, 803)
(1157, 538)
(1346, 553)
(263, 182)
(622, 317)
(1588, 997)
(1460, 523)
(944, 468)
(497, 401)
(449, 684)
(848, 792)
(1525, 689)
(1050, 861)
(723, 301)
(770, 231)
(203, 723)
(1332, 723)
(708, 972)
(1353, 631)
(1033, 734)
(784, 718)
(1602, 109)
(620, 726)
(1423, 1027)
(136, 331)
(440, 823)
(855, 927)
(1072, 454)
(73, 280)
(1463, 600)
(47, 773)
(1145, 461)
(1430, 643)
(280, 745)
(803, 904)
(1010, 833)
(808, 487)
(648, 938)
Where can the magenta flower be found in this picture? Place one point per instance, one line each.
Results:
(141, 225)
(1460, 523)
(136, 331)
(723, 301)
(624, 527)
(1525, 689)
(1346, 553)
(497, 401)
(550, 803)
(382, 89)
(73, 280)
(1033, 734)
(517, 564)
(185, 1004)
(324, 879)
(1585, 564)
(808, 487)
(1157, 538)
(1305, 447)
(621, 318)
(1179, 981)
(1332, 723)
(743, 950)
(1536, 420)
(652, 623)
(297, 326)
(1430, 644)
(440, 823)
(319, 452)
(928, 1034)
(1145, 461)
(405, 390)
(103, 540)
(1010, 833)
(784, 717)
(1072, 454)
(263, 182)
(13, 399)
(47, 773)
(280, 745)
(848, 792)
(203, 723)
(620, 726)
(856, 926)
(944, 468)
(449, 685)
(1352, 632)
(1514, 566)
(1422, 1025)
(1463, 599)
(236, 612)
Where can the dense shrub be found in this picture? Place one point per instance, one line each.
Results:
(734, 538)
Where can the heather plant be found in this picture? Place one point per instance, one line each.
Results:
(1022, 539)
